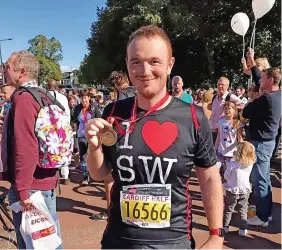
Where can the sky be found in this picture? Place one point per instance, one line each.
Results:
(69, 21)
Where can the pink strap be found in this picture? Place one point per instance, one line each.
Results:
(113, 109)
(193, 112)
(194, 117)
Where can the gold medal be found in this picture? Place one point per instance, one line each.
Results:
(109, 137)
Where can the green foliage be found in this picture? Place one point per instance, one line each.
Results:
(205, 47)
(49, 48)
(48, 70)
(49, 54)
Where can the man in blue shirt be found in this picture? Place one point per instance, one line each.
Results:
(177, 90)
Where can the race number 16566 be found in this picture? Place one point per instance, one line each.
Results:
(146, 211)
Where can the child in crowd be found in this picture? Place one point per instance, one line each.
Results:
(229, 134)
(238, 186)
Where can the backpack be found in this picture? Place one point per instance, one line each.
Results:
(52, 129)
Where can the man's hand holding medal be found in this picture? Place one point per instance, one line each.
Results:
(99, 131)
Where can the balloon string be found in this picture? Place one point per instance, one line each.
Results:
(254, 37)
(253, 34)
(243, 47)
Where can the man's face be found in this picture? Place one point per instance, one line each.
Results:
(63, 91)
(148, 65)
(265, 82)
(72, 103)
(12, 75)
(222, 86)
(238, 92)
(177, 85)
(93, 91)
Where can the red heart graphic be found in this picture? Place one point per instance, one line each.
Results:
(159, 137)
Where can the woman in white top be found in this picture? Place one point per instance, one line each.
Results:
(238, 186)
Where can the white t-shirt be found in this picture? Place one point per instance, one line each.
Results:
(227, 137)
(63, 100)
(237, 178)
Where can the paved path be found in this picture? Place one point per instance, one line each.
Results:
(77, 203)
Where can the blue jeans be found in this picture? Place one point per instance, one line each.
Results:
(50, 200)
(260, 178)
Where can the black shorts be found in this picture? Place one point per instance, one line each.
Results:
(124, 244)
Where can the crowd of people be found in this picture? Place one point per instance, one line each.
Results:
(143, 142)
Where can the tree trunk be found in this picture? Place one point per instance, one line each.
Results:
(210, 55)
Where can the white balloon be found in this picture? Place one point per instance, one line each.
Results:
(261, 7)
(240, 23)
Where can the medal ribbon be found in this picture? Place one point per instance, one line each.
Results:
(84, 113)
(133, 119)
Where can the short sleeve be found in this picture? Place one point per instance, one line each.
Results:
(236, 100)
(121, 96)
(205, 155)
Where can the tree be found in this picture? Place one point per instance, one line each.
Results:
(49, 54)
(48, 70)
(49, 48)
(204, 45)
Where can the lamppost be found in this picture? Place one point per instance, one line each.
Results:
(1, 60)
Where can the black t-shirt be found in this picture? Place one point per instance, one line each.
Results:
(162, 149)
(127, 93)
(264, 114)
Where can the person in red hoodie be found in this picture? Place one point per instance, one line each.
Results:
(20, 149)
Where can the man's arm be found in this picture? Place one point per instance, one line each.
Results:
(210, 182)
(212, 195)
(256, 74)
(25, 144)
(98, 157)
(98, 167)
(239, 103)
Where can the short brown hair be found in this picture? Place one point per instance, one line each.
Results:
(274, 73)
(52, 84)
(118, 78)
(25, 59)
(84, 92)
(151, 31)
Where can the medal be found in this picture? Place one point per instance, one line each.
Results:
(109, 137)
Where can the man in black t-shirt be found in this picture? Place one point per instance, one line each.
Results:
(264, 114)
(120, 81)
(153, 155)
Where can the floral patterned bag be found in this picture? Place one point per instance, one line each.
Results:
(53, 130)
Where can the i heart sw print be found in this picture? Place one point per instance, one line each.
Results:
(151, 169)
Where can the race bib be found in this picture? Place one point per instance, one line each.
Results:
(146, 205)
